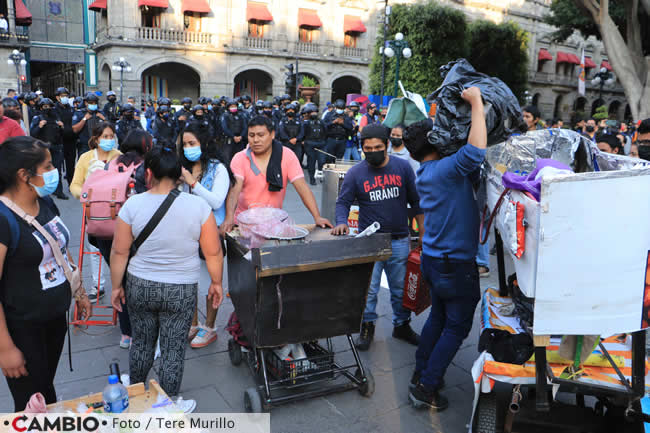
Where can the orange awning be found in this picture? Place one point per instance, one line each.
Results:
(544, 55)
(309, 18)
(98, 5)
(23, 16)
(589, 63)
(605, 64)
(563, 57)
(154, 3)
(199, 6)
(258, 12)
(353, 24)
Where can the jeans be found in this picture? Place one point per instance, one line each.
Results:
(483, 255)
(395, 268)
(352, 153)
(455, 292)
(314, 156)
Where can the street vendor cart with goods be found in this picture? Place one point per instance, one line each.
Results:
(564, 332)
(291, 298)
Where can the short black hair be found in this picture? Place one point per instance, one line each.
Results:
(163, 162)
(532, 109)
(17, 153)
(416, 140)
(610, 139)
(374, 131)
(135, 146)
(644, 127)
(262, 121)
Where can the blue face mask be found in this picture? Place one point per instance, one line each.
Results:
(51, 179)
(209, 106)
(192, 153)
(64, 100)
(106, 145)
(92, 107)
(339, 111)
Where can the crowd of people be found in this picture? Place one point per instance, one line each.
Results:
(194, 170)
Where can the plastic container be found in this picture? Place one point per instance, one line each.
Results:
(116, 397)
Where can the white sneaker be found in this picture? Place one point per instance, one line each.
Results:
(187, 406)
(204, 337)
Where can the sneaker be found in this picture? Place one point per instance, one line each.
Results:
(366, 336)
(125, 342)
(483, 272)
(187, 406)
(405, 333)
(93, 294)
(420, 397)
(204, 337)
(415, 379)
(312, 181)
(193, 331)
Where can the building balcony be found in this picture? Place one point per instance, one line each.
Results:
(553, 79)
(18, 39)
(258, 43)
(308, 48)
(353, 52)
(173, 36)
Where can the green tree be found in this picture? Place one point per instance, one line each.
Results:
(601, 113)
(500, 50)
(624, 28)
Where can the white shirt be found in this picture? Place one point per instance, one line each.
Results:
(3, 24)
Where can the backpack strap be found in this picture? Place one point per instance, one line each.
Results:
(154, 221)
(14, 228)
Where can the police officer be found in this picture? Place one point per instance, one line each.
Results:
(127, 123)
(355, 108)
(85, 119)
(32, 108)
(48, 127)
(164, 130)
(339, 128)
(235, 127)
(111, 108)
(77, 103)
(131, 100)
(276, 116)
(200, 118)
(210, 114)
(315, 138)
(248, 105)
(184, 113)
(149, 114)
(259, 108)
(291, 132)
(64, 110)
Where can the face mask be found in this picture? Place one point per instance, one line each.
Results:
(187, 107)
(396, 142)
(268, 113)
(209, 106)
(106, 145)
(232, 110)
(112, 99)
(644, 152)
(192, 153)
(128, 115)
(590, 128)
(47, 111)
(314, 115)
(290, 113)
(339, 111)
(51, 179)
(375, 158)
(165, 116)
(64, 100)
(92, 107)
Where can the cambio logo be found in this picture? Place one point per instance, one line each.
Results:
(54, 423)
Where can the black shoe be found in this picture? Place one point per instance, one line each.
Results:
(312, 181)
(415, 379)
(404, 332)
(61, 196)
(366, 336)
(420, 397)
(93, 295)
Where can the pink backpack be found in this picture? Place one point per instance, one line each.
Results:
(103, 195)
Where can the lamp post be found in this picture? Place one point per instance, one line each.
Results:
(602, 78)
(398, 48)
(80, 82)
(17, 59)
(381, 51)
(121, 65)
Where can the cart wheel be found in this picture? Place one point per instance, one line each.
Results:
(487, 418)
(234, 351)
(253, 401)
(367, 388)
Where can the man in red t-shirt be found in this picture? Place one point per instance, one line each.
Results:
(8, 127)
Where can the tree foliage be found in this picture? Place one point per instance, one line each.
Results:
(601, 113)
(439, 34)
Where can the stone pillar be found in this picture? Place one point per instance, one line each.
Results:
(11, 17)
(325, 96)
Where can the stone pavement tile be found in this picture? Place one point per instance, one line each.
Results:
(454, 419)
(465, 358)
(403, 420)
(208, 400)
(86, 365)
(93, 337)
(312, 415)
(6, 401)
(80, 388)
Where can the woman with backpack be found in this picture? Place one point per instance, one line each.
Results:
(103, 149)
(134, 147)
(207, 176)
(166, 228)
(35, 292)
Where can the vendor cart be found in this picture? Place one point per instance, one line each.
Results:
(576, 275)
(301, 291)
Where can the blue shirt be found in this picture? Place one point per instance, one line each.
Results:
(382, 193)
(451, 219)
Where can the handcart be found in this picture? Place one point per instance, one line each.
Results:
(575, 276)
(306, 291)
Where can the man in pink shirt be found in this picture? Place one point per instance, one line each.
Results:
(8, 127)
(262, 172)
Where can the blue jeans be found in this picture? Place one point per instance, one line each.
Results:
(455, 292)
(483, 255)
(395, 268)
(352, 153)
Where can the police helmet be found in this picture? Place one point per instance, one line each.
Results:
(61, 90)
(186, 100)
(31, 96)
(162, 109)
(164, 101)
(127, 108)
(340, 104)
(91, 97)
(196, 108)
(45, 101)
(110, 93)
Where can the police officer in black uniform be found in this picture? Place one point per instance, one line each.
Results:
(64, 110)
(184, 113)
(235, 127)
(291, 132)
(164, 130)
(48, 127)
(32, 108)
(85, 119)
(248, 105)
(339, 128)
(127, 123)
(111, 108)
(315, 138)
(200, 118)
(259, 108)
(210, 114)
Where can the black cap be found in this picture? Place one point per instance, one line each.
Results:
(375, 131)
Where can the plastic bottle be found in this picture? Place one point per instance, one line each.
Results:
(116, 397)
(132, 191)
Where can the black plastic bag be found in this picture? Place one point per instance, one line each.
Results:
(506, 347)
(453, 115)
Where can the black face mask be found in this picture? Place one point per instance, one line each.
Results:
(375, 158)
(112, 99)
(314, 115)
(47, 111)
(128, 116)
(290, 114)
(590, 128)
(268, 113)
(644, 152)
(187, 106)
(396, 142)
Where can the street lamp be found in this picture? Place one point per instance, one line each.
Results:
(398, 48)
(603, 78)
(80, 82)
(18, 59)
(120, 66)
(381, 52)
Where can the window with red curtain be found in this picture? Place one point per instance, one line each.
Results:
(306, 34)
(351, 39)
(256, 29)
(192, 21)
(151, 17)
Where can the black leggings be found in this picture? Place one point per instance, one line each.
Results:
(104, 247)
(41, 344)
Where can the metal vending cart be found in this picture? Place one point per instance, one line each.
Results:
(333, 176)
(577, 278)
(305, 291)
